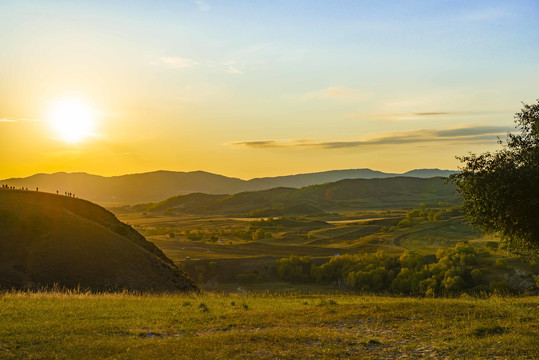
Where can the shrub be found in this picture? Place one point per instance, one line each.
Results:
(294, 268)
(404, 223)
(415, 213)
(500, 287)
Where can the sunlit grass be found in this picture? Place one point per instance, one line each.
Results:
(263, 325)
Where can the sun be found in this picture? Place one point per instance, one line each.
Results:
(72, 120)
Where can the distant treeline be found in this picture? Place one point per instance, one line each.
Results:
(449, 272)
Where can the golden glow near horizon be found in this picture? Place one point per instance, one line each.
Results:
(72, 120)
(109, 89)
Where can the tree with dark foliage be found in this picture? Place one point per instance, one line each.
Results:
(500, 190)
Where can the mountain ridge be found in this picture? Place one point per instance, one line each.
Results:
(343, 195)
(162, 184)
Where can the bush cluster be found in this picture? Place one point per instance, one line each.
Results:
(450, 272)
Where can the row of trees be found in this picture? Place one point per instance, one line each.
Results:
(450, 272)
(213, 235)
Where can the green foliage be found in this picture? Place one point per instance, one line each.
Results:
(500, 287)
(294, 268)
(412, 260)
(422, 212)
(415, 213)
(477, 276)
(251, 233)
(412, 273)
(404, 223)
(432, 216)
(194, 236)
(260, 234)
(500, 190)
(362, 271)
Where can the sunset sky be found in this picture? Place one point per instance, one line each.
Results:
(259, 88)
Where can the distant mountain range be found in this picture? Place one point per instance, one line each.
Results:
(343, 195)
(160, 185)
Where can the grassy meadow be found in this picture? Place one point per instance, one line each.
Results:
(264, 326)
(226, 252)
(248, 309)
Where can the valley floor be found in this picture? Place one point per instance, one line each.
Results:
(265, 326)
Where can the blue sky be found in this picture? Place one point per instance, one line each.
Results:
(258, 88)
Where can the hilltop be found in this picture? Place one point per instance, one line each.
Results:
(48, 239)
(159, 185)
(348, 194)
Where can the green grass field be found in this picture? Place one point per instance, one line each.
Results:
(222, 256)
(264, 326)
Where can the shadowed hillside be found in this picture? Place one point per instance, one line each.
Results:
(47, 239)
(349, 194)
(159, 185)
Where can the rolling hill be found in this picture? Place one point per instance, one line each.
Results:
(348, 194)
(159, 185)
(48, 239)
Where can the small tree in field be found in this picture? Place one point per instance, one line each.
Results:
(500, 190)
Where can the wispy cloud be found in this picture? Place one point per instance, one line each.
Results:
(336, 92)
(16, 120)
(202, 5)
(413, 115)
(233, 70)
(174, 62)
(260, 144)
(231, 67)
(432, 114)
(455, 135)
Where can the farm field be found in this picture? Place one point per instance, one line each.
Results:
(264, 326)
(209, 237)
(226, 252)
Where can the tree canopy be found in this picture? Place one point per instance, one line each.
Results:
(500, 190)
